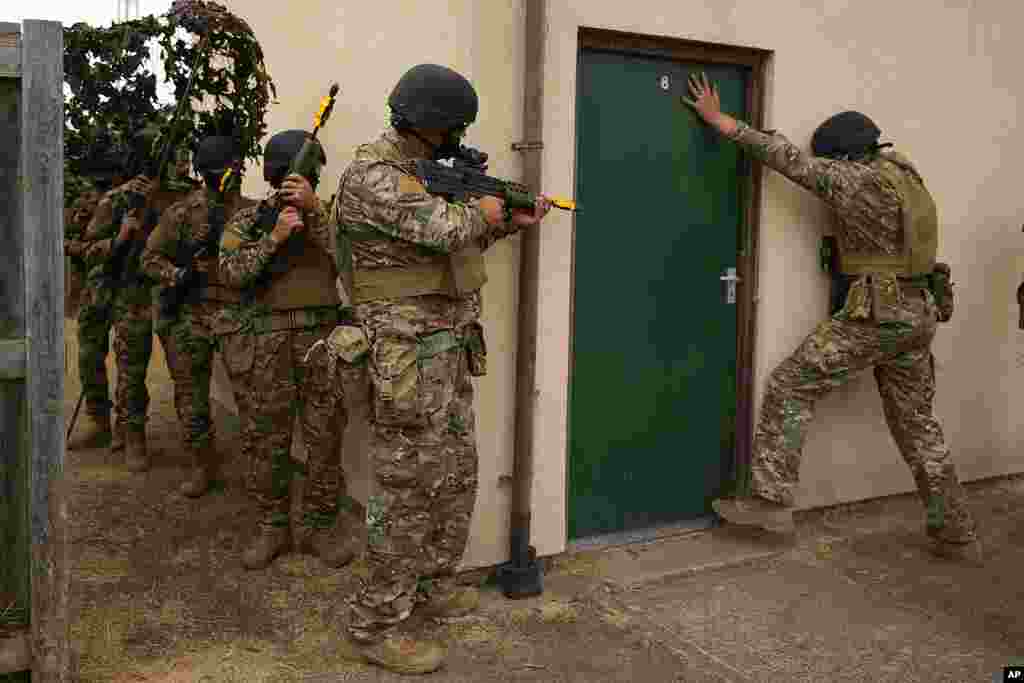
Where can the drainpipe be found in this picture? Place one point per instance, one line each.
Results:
(521, 577)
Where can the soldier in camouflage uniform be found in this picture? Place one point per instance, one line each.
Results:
(887, 233)
(279, 256)
(187, 240)
(93, 332)
(128, 302)
(411, 269)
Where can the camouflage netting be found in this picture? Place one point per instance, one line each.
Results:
(111, 91)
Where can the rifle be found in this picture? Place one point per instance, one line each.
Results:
(305, 163)
(129, 251)
(465, 178)
(170, 298)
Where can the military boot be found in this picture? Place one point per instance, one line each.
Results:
(136, 455)
(967, 552)
(334, 546)
(268, 543)
(203, 472)
(403, 654)
(93, 432)
(451, 604)
(756, 512)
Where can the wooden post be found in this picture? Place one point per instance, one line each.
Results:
(42, 186)
(15, 582)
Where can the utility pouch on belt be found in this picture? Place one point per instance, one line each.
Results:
(348, 342)
(886, 298)
(476, 349)
(410, 376)
(941, 286)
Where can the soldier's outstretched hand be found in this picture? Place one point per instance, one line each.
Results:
(297, 191)
(706, 101)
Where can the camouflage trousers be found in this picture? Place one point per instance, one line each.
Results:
(189, 344)
(270, 380)
(94, 322)
(422, 448)
(133, 349)
(899, 350)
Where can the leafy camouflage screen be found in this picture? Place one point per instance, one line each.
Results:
(111, 91)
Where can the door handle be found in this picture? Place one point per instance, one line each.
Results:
(730, 279)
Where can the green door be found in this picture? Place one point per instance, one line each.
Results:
(653, 386)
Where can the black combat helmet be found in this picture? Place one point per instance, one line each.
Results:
(848, 134)
(280, 151)
(433, 96)
(215, 153)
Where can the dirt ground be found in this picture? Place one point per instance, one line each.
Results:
(159, 594)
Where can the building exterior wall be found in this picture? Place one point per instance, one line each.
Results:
(941, 82)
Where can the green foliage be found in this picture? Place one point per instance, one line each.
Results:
(111, 93)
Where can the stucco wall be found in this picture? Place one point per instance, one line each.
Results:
(366, 47)
(940, 79)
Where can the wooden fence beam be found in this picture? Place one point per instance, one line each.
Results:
(42, 179)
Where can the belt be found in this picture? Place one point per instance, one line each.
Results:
(296, 319)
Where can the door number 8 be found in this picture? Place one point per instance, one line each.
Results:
(664, 82)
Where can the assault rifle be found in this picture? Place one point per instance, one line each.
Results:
(466, 178)
(306, 163)
(170, 298)
(129, 251)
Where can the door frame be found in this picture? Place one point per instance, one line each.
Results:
(758, 61)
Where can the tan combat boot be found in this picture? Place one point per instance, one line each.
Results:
(203, 472)
(334, 546)
(403, 654)
(136, 455)
(268, 543)
(94, 432)
(756, 512)
(452, 604)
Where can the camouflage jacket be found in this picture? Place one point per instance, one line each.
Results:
(866, 205)
(379, 193)
(101, 239)
(75, 222)
(182, 227)
(246, 251)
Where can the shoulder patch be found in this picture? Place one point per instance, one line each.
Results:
(408, 184)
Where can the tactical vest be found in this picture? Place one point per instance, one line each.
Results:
(451, 275)
(920, 227)
(301, 276)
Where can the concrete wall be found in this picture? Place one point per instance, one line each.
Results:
(939, 78)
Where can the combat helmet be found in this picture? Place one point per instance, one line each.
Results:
(433, 96)
(279, 152)
(847, 135)
(214, 155)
